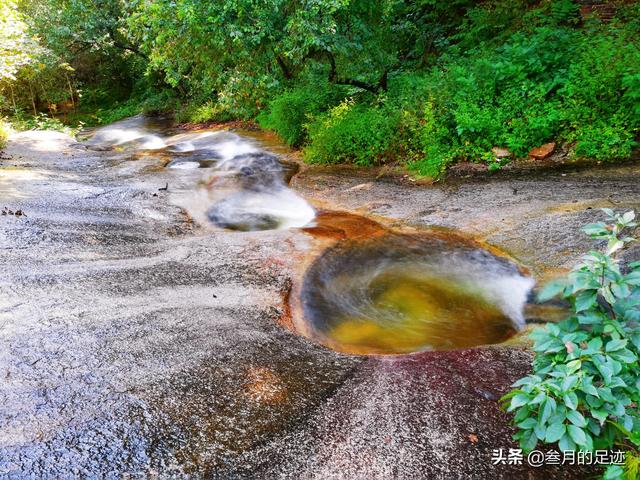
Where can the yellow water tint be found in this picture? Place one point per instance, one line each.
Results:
(411, 312)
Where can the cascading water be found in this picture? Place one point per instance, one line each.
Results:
(374, 291)
(247, 189)
(134, 133)
(408, 293)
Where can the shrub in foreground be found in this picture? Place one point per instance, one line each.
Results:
(584, 392)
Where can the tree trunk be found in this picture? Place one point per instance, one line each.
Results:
(13, 99)
(33, 100)
(73, 103)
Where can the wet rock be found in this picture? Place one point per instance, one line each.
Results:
(500, 153)
(117, 359)
(542, 152)
(462, 167)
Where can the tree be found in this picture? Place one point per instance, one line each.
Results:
(17, 47)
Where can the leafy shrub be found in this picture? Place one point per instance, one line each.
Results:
(564, 11)
(4, 133)
(117, 111)
(601, 96)
(200, 113)
(290, 111)
(352, 133)
(585, 387)
(156, 102)
(604, 141)
(39, 122)
(435, 150)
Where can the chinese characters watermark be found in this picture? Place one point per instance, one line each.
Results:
(537, 458)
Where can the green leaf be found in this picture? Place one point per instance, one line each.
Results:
(529, 442)
(614, 345)
(585, 300)
(518, 401)
(590, 318)
(569, 382)
(540, 432)
(538, 398)
(551, 290)
(576, 418)
(528, 424)
(574, 366)
(577, 435)
(523, 412)
(566, 443)
(614, 472)
(625, 355)
(595, 344)
(605, 394)
(614, 245)
(548, 407)
(555, 432)
(587, 387)
(596, 229)
(570, 400)
(600, 415)
(633, 278)
(628, 216)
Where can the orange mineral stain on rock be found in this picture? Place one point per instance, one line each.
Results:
(339, 225)
(543, 151)
(264, 386)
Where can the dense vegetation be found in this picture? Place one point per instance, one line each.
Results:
(585, 388)
(422, 83)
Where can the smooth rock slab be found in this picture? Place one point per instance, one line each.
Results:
(134, 342)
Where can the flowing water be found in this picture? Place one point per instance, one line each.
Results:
(373, 291)
(246, 188)
(408, 293)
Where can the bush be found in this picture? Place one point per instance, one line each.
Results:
(4, 133)
(604, 141)
(353, 133)
(156, 102)
(585, 388)
(39, 122)
(289, 112)
(601, 96)
(201, 113)
(117, 111)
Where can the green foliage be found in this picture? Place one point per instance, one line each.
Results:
(289, 112)
(39, 122)
(352, 133)
(444, 81)
(199, 113)
(605, 141)
(564, 12)
(4, 133)
(586, 380)
(17, 47)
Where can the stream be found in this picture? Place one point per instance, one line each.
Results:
(200, 304)
(392, 294)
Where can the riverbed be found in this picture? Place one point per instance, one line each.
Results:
(142, 334)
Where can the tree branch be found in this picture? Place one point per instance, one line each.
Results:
(286, 71)
(334, 78)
